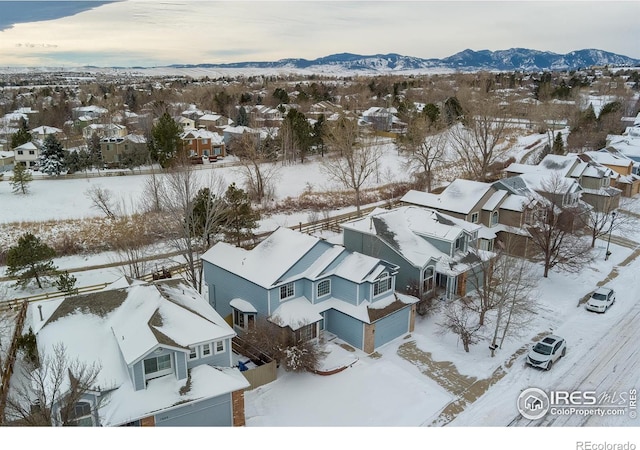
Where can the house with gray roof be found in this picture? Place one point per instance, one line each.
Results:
(164, 354)
(436, 254)
(308, 287)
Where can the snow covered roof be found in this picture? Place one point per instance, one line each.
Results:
(295, 313)
(43, 129)
(610, 159)
(495, 200)
(202, 134)
(27, 146)
(242, 305)
(405, 229)
(461, 196)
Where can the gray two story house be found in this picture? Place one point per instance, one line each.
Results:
(436, 254)
(308, 287)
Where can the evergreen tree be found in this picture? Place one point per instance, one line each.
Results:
(165, 142)
(239, 217)
(66, 283)
(51, 156)
(30, 258)
(72, 162)
(432, 112)
(558, 145)
(94, 151)
(242, 120)
(317, 136)
(22, 136)
(20, 179)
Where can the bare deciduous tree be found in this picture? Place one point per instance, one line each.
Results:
(425, 151)
(357, 162)
(47, 394)
(193, 228)
(552, 234)
(258, 167)
(462, 321)
(102, 199)
(153, 193)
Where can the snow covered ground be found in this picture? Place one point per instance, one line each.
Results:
(390, 388)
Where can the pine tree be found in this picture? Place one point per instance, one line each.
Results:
(165, 141)
(30, 258)
(51, 156)
(20, 179)
(558, 145)
(239, 217)
(22, 136)
(243, 119)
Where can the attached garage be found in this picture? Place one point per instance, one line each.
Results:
(392, 326)
(345, 327)
(212, 412)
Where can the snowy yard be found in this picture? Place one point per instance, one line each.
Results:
(390, 388)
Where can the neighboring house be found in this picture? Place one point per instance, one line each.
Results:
(306, 286)
(185, 122)
(436, 253)
(626, 178)
(88, 113)
(43, 131)
(594, 179)
(108, 130)
(627, 144)
(263, 116)
(383, 119)
(7, 160)
(27, 154)
(501, 214)
(213, 122)
(198, 143)
(165, 355)
(325, 108)
(113, 148)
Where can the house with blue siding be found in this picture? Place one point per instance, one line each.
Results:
(436, 254)
(308, 286)
(165, 355)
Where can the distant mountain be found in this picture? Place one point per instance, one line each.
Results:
(515, 59)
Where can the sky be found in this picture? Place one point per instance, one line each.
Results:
(403, 395)
(149, 33)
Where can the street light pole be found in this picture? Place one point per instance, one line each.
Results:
(613, 217)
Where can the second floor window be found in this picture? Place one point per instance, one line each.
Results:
(382, 284)
(159, 364)
(32, 152)
(324, 288)
(460, 244)
(287, 291)
(474, 217)
(20, 152)
(193, 353)
(494, 218)
(219, 347)
(205, 350)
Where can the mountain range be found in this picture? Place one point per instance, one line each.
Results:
(515, 59)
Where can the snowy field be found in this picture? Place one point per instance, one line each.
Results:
(387, 389)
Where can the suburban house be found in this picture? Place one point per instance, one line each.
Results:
(264, 116)
(501, 214)
(114, 148)
(626, 178)
(88, 113)
(109, 130)
(43, 131)
(199, 143)
(324, 108)
(164, 354)
(628, 143)
(594, 179)
(435, 253)
(185, 122)
(213, 122)
(27, 154)
(308, 286)
(383, 119)
(7, 160)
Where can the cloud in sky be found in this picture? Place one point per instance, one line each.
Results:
(150, 33)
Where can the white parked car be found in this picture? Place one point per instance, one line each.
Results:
(547, 351)
(601, 299)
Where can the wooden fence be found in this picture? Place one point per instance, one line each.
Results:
(266, 370)
(7, 370)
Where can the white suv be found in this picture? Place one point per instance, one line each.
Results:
(601, 299)
(547, 351)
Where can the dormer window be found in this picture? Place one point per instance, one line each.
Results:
(494, 218)
(459, 246)
(287, 291)
(157, 366)
(382, 284)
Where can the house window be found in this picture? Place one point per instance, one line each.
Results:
(205, 350)
(460, 244)
(32, 152)
(82, 415)
(382, 284)
(238, 318)
(287, 291)
(605, 182)
(494, 218)
(306, 333)
(155, 367)
(427, 284)
(324, 288)
(219, 347)
(474, 217)
(205, 141)
(193, 353)
(20, 152)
